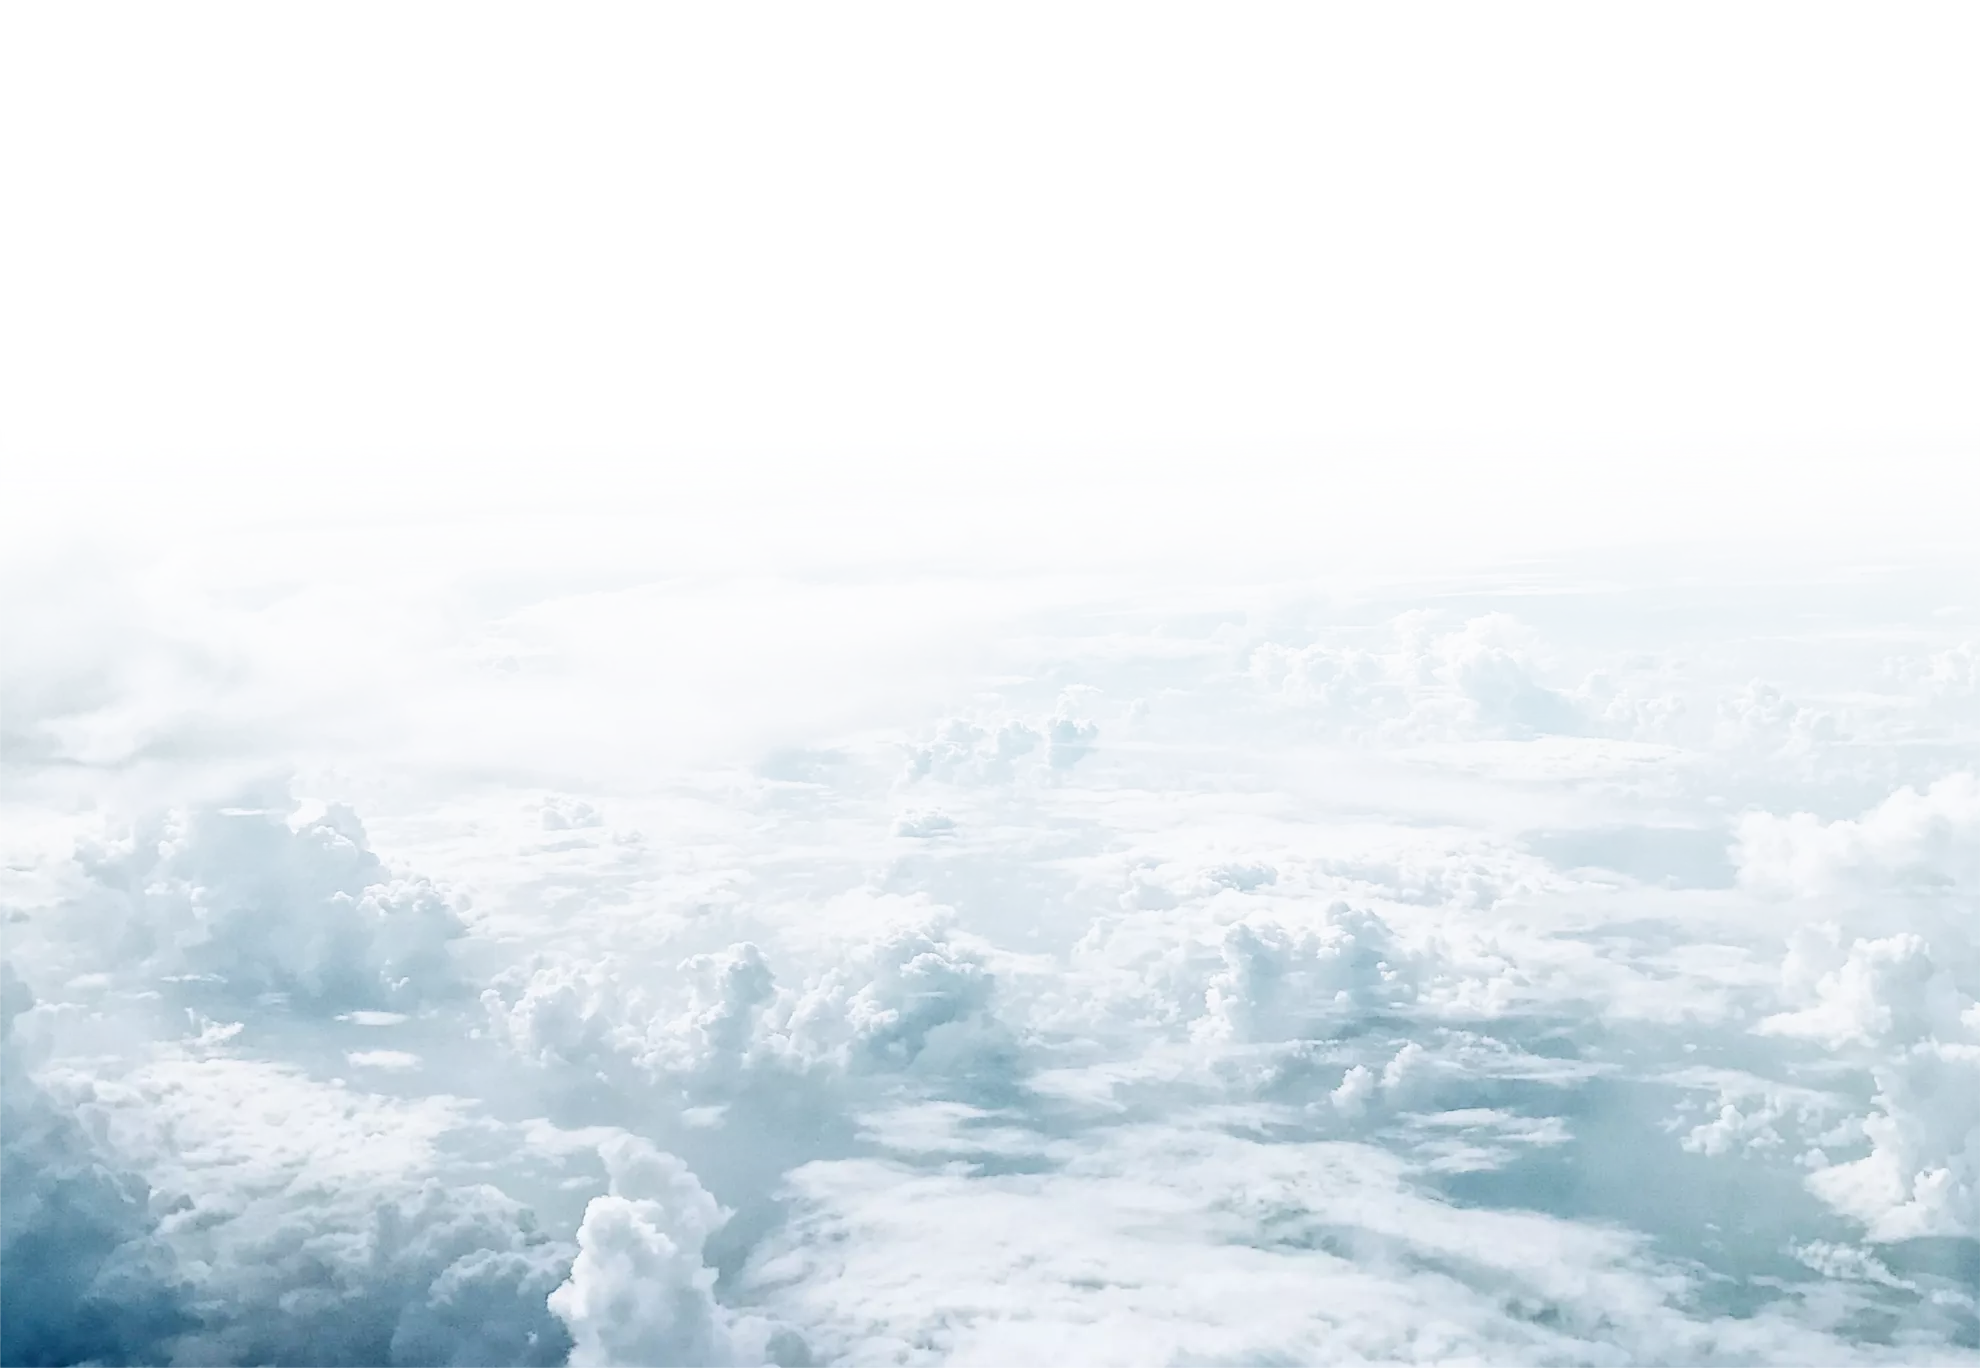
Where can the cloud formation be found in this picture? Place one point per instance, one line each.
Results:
(639, 1292)
(87, 1277)
(241, 896)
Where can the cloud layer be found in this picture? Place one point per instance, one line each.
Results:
(1470, 976)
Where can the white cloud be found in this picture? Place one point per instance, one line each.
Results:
(569, 814)
(1166, 1242)
(62, 673)
(1274, 981)
(1883, 992)
(1762, 719)
(240, 896)
(1333, 1003)
(922, 824)
(639, 1292)
(1912, 843)
(88, 1277)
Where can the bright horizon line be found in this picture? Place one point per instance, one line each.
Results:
(62, 440)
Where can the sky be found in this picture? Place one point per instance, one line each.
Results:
(1169, 893)
(153, 438)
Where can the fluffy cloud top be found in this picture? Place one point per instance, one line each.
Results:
(977, 753)
(1483, 678)
(1277, 982)
(242, 896)
(915, 993)
(1887, 991)
(87, 1278)
(963, 751)
(923, 824)
(1763, 720)
(1954, 673)
(1185, 969)
(1911, 843)
(639, 1292)
(569, 814)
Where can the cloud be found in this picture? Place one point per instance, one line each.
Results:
(1175, 1242)
(1343, 682)
(962, 751)
(1912, 843)
(1376, 991)
(639, 1292)
(913, 996)
(990, 751)
(569, 814)
(1068, 740)
(90, 670)
(1922, 1175)
(1491, 664)
(923, 824)
(87, 1278)
(1948, 679)
(309, 1223)
(1763, 720)
(1479, 679)
(1883, 992)
(239, 895)
(1277, 982)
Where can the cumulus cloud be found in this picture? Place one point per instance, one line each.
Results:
(962, 751)
(985, 751)
(1068, 740)
(1492, 665)
(244, 897)
(1948, 679)
(560, 813)
(1763, 719)
(1336, 681)
(1483, 678)
(916, 995)
(1914, 842)
(923, 824)
(704, 1026)
(565, 1013)
(1275, 982)
(639, 1292)
(87, 1277)
(723, 1020)
(1922, 1175)
(913, 995)
(308, 1223)
(1402, 1081)
(1879, 992)
(1396, 981)
(1635, 703)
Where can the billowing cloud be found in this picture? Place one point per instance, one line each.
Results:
(971, 753)
(569, 814)
(1275, 981)
(241, 896)
(1451, 977)
(639, 1292)
(1913, 843)
(1762, 719)
(922, 824)
(1481, 678)
(1888, 991)
(914, 993)
(88, 1279)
